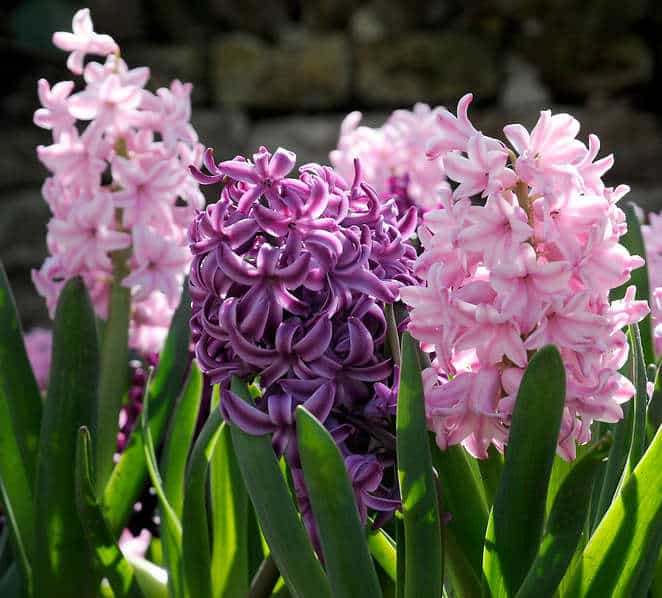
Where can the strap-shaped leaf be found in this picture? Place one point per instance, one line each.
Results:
(279, 520)
(18, 388)
(620, 557)
(152, 579)
(382, 548)
(63, 562)
(654, 413)
(196, 542)
(565, 525)
(20, 419)
(638, 441)
(114, 374)
(516, 522)
(629, 433)
(491, 470)
(10, 583)
(180, 438)
(464, 497)
(420, 506)
(23, 571)
(229, 507)
(346, 556)
(115, 567)
(128, 477)
(171, 527)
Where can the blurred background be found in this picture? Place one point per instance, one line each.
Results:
(285, 72)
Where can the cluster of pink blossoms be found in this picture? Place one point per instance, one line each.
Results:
(530, 262)
(119, 181)
(653, 239)
(393, 156)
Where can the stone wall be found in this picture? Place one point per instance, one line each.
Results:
(275, 72)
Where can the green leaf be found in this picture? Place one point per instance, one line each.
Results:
(565, 526)
(114, 377)
(464, 579)
(115, 567)
(22, 558)
(420, 507)
(639, 380)
(382, 548)
(196, 542)
(400, 559)
(63, 562)
(464, 497)
(229, 507)
(516, 522)
(152, 579)
(491, 470)
(178, 443)
(634, 242)
(654, 412)
(346, 556)
(20, 418)
(620, 557)
(280, 522)
(19, 392)
(171, 527)
(265, 580)
(128, 477)
(614, 468)
(10, 583)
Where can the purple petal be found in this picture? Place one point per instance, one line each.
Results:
(361, 347)
(316, 341)
(245, 416)
(240, 171)
(321, 402)
(281, 163)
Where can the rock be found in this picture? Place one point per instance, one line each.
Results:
(253, 16)
(168, 62)
(421, 68)
(123, 19)
(23, 229)
(522, 88)
(585, 61)
(19, 165)
(328, 14)
(648, 198)
(23, 247)
(225, 130)
(304, 71)
(310, 137)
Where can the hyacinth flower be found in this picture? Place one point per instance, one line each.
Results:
(523, 253)
(119, 190)
(289, 281)
(652, 233)
(393, 157)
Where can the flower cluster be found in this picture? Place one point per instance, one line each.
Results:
(652, 233)
(530, 263)
(289, 281)
(393, 156)
(120, 194)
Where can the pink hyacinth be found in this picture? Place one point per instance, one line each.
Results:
(394, 154)
(83, 41)
(532, 264)
(120, 182)
(38, 344)
(652, 233)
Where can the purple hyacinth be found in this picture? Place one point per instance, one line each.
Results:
(289, 281)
